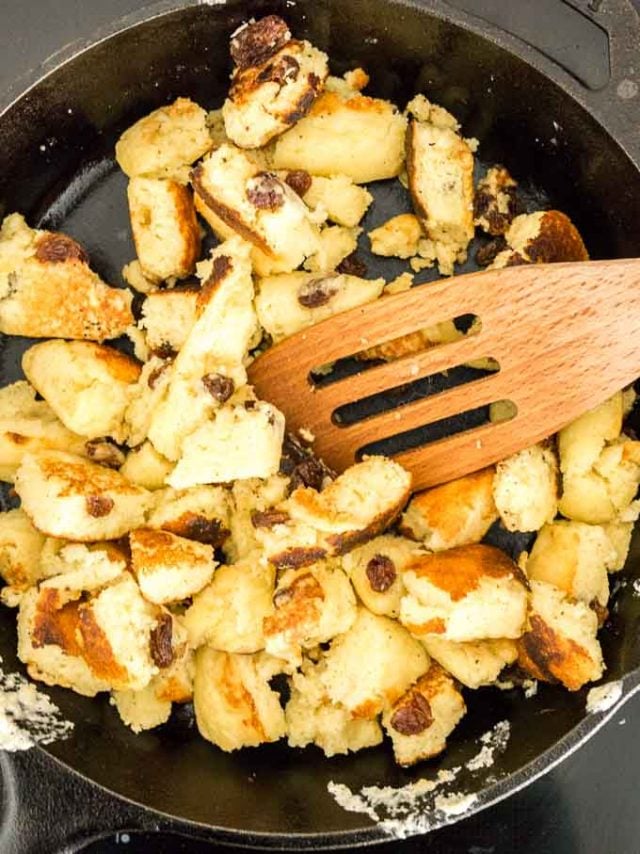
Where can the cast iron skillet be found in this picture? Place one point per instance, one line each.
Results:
(570, 134)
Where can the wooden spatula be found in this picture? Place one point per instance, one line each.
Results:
(566, 337)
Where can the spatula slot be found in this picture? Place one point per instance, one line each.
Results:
(401, 395)
(427, 434)
(465, 422)
(425, 337)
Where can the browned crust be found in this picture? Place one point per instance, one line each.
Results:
(269, 518)
(226, 214)
(330, 102)
(460, 570)
(115, 550)
(66, 301)
(436, 626)
(156, 373)
(486, 212)
(220, 269)
(342, 543)
(442, 507)
(550, 657)
(194, 526)
(15, 574)
(296, 558)
(185, 221)
(296, 605)
(304, 102)
(601, 612)
(175, 690)
(18, 438)
(85, 478)
(302, 588)
(248, 80)
(558, 240)
(189, 286)
(433, 681)
(121, 367)
(406, 345)
(97, 651)
(412, 176)
(367, 710)
(53, 625)
(336, 544)
(238, 698)
(151, 549)
(188, 227)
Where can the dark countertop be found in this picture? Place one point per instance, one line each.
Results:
(588, 805)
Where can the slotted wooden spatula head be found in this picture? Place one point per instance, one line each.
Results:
(566, 336)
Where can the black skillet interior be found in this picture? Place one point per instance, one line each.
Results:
(56, 166)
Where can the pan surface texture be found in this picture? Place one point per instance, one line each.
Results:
(564, 137)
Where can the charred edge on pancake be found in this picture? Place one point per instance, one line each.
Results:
(297, 557)
(227, 215)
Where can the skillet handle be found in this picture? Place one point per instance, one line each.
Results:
(591, 51)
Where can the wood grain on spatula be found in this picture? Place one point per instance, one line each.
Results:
(566, 337)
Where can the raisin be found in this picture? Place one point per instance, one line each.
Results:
(381, 572)
(58, 248)
(164, 351)
(486, 254)
(413, 716)
(98, 505)
(104, 452)
(254, 43)
(219, 387)
(352, 265)
(301, 466)
(308, 473)
(265, 192)
(317, 292)
(299, 180)
(481, 203)
(160, 641)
